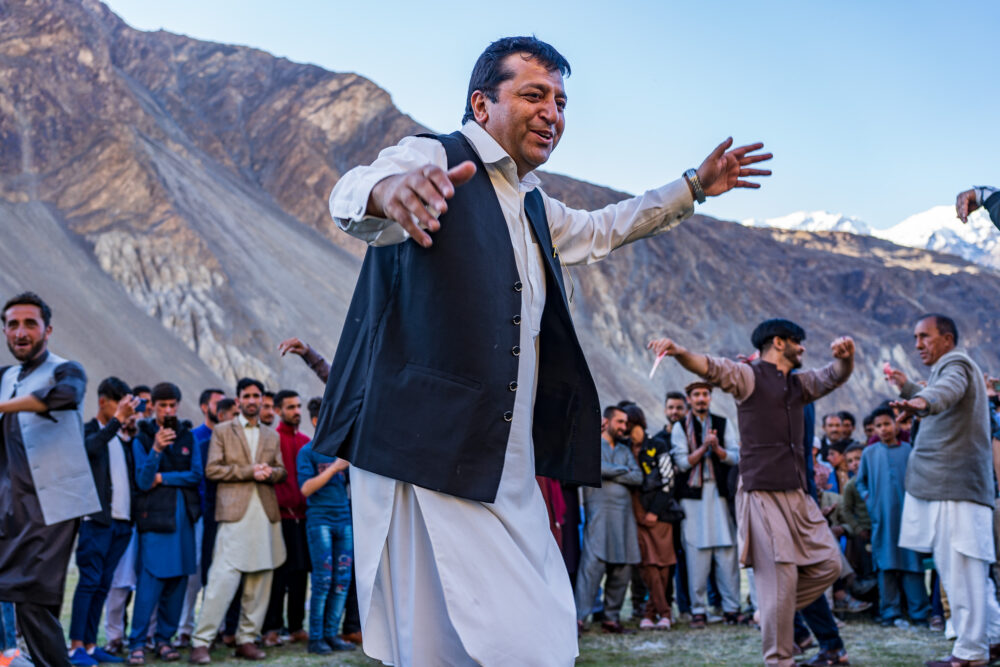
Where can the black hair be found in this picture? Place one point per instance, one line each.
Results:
(868, 420)
(268, 394)
(635, 415)
(223, 405)
(112, 388)
(165, 391)
(488, 72)
(28, 299)
(141, 389)
(206, 395)
(280, 397)
(612, 409)
(944, 324)
(827, 416)
(675, 395)
(248, 382)
(854, 447)
(883, 412)
(767, 330)
(846, 416)
(313, 406)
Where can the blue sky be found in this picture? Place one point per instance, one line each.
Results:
(876, 110)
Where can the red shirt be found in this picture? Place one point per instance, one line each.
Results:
(290, 499)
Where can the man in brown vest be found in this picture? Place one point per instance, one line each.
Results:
(782, 533)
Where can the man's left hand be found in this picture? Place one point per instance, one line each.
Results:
(843, 348)
(725, 169)
(965, 203)
(911, 407)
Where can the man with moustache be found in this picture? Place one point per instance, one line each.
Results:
(950, 487)
(291, 578)
(460, 320)
(245, 459)
(45, 479)
(704, 456)
(610, 542)
(782, 534)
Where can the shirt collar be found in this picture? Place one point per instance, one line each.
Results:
(491, 152)
(245, 423)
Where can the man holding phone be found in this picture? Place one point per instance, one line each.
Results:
(168, 469)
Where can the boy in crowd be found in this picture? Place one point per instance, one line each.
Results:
(857, 522)
(880, 482)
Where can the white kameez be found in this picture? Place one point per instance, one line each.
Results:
(447, 581)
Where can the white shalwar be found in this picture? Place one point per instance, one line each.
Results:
(447, 581)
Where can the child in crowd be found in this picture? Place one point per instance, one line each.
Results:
(880, 482)
(857, 522)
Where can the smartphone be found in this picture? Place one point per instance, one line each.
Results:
(142, 405)
(996, 385)
(171, 422)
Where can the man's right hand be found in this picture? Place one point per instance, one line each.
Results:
(416, 198)
(965, 203)
(164, 438)
(126, 408)
(293, 345)
(897, 378)
(665, 346)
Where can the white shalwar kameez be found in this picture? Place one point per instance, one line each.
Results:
(447, 581)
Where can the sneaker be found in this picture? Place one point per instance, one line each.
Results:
(664, 623)
(646, 624)
(714, 618)
(81, 658)
(338, 644)
(901, 623)
(100, 655)
(319, 647)
(851, 605)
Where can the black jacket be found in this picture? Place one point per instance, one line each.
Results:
(97, 440)
(155, 510)
(423, 383)
(659, 479)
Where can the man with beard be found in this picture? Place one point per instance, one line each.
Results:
(290, 580)
(831, 433)
(245, 459)
(267, 414)
(204, 530)
(45, 479)
(782, 533)
(704, 457)
(610, 542)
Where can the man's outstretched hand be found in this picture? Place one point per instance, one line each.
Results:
(416, 198)
(725, 169)
(965, 203)
(914, 406)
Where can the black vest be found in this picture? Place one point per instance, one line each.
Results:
(154, 510)
(719, 469)
(423, 381)
(772, 432)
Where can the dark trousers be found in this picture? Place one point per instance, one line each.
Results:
(42, 633)
(166, 596)
(893, 585)
(291, 580)
(937, 606)
(818, 617)
(98, 550)
(352, 613)
(681, 573)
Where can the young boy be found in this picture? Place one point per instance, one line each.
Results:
(859, 524)
(880, 482)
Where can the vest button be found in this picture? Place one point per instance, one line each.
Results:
(516, 350)
(516, 320)
(518, 286)
(508, 416)
(512, 386)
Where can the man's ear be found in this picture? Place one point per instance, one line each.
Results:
(479, 109)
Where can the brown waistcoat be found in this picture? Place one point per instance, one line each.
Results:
(771, 432)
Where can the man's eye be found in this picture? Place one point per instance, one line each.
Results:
(561, 104)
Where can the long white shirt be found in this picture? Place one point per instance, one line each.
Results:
(500, 573)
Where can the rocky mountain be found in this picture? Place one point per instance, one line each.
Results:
(934, 229)
(169, 197)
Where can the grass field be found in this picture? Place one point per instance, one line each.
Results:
(868, 644)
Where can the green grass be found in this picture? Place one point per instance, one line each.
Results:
(867, 644)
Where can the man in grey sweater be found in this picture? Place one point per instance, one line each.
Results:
(949, 487)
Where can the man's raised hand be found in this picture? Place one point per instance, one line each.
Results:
(293, 345)
(665, 347)
(725, 169)
(416, 198)
(843, 348)
(965, 203)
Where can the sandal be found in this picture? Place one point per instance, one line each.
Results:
(827, 657)
(167, 653)
(952, 661)
(137, 657)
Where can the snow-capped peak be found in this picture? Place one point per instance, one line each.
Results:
(815, 221)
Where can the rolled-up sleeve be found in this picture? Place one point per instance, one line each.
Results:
(583, 237)
(732, 377)
(69, 389)
(349, 198)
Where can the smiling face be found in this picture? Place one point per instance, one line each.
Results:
(26, 331)
(527, 118)
(675, 409)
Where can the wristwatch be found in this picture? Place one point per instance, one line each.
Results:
(692, 178)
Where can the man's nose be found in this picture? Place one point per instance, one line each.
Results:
(550, 112)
